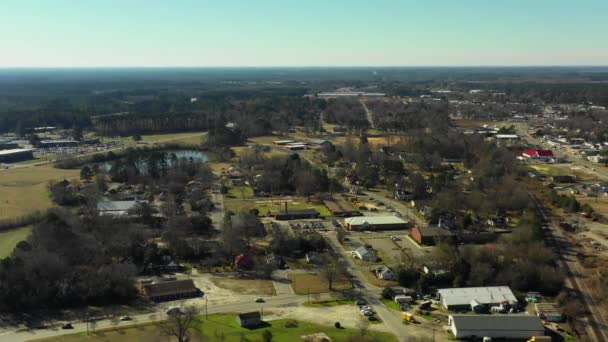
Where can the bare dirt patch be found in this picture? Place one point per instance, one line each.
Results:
(244, 286)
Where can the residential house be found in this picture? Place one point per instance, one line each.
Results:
(249, 319)
(366, 254)
(385, 273)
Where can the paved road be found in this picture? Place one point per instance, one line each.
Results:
(372, 294)
(217, 215)
(271, 302)
(368, 114)
(595, 322)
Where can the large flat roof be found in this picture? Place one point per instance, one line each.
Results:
(374, 220)
(497, 322)
(15, 150)
(482, 295)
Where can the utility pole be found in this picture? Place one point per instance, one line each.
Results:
(308, 293)
(206, 307)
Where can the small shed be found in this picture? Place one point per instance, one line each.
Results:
(249, 319)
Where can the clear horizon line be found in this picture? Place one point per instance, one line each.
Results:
(304, 66)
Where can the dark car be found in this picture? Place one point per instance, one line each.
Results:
(67, 326)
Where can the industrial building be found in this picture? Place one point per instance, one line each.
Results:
(430, 235)
(469, 298)
(16, 155)
(496, 326)
(375, 223)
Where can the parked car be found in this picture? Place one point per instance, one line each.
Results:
(125, 318)
(260, 300)
(67, 326)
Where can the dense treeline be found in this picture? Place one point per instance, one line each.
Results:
(68, 261)
(346, 112)
(397, 116)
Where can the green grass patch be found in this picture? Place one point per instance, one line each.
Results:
(299, 203)
(329, 303)
(9, 239)
(224, 327)
(390, 304)
(548, 170)
(240, 192)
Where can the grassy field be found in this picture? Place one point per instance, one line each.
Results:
(190, 138)
(295, 203)
(240, 192)
(9, 239)
(303, 283)
(548, 170)
(223, 328)
(390, 304)
(24, 190)
(245, 286)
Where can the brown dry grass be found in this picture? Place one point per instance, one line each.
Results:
(245, 286)
(303, 283)
(24, 190)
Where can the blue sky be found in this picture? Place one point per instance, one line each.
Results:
(64, 33)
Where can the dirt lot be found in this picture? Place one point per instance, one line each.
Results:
(303, 283)
(348, 315)
(244, 286)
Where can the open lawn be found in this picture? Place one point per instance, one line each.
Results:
(293, 203)
(10, 239)
(190, 138)
(245, 286)
(24, 190)
(391, 304)
(303, 283)
(239, 192)
(224, 327)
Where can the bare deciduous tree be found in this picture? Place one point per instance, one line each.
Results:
(179, 323)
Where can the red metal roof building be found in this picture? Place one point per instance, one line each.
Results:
(540, 154)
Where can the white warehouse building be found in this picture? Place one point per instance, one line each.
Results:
(467, 298)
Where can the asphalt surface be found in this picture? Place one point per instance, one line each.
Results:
(271, 302)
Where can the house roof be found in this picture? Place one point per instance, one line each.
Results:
(169, 287)
(482, 295)
(539, 153)
(432, 231)
(249, 315)
(117, 205)
(15, 150)
(374, 220)
(243, 260)
(497, 322)
(363, 250)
